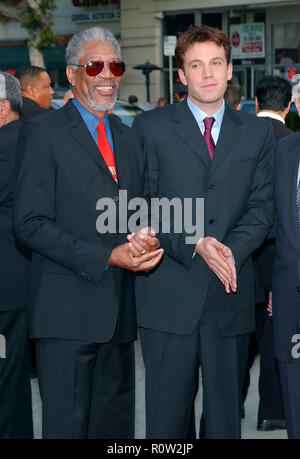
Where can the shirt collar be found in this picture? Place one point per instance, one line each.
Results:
(89, 118)
(200, 114)
(270, 115)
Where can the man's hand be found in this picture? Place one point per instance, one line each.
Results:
(270, 306)
(143, 242)
(122, 257)
(219, 259)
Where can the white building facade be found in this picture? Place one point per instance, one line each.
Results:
(265, 37)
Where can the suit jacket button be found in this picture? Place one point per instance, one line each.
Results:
(298, 289)
(211, 221)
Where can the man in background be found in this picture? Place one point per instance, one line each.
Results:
(15, 394)
(36, 100)
(272, 103)
(161, 102)
(36, 91)
(233, 93)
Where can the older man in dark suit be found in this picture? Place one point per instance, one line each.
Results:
(15, 394)
(187, 313)
(83, 313)
(272, 102)
(286, 277)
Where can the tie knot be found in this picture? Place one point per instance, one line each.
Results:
(208, 122)
(101, 128)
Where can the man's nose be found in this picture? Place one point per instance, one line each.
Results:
(206, 71)
(106, 72)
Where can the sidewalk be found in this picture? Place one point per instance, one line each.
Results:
(248, 424)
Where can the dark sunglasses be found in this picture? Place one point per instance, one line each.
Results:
(93, 68)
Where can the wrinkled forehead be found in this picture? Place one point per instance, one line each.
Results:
(98, 49)
(3, 94)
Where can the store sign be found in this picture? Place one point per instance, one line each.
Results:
(95, 2)
(170, 42)
(248, 40)
(290, 73)
(96, 16)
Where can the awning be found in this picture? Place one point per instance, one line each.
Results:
(12, 58)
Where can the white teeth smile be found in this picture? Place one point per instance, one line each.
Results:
(105, 88)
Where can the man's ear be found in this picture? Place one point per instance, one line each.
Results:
(182, 77)
(30, 90)
(229, 71)
(70, 72)
(4, 109)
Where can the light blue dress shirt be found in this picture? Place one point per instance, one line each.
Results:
(92, 122)
(199, 116)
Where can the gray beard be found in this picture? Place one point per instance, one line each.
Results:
(101, 107)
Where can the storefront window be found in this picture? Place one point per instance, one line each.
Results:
(286, 43)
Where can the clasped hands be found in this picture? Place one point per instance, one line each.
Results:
(141, 253)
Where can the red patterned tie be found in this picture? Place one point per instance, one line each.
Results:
(208, 122)
(106, 151)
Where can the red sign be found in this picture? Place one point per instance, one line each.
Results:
(290, 72)
(252, 47)
(235, 39)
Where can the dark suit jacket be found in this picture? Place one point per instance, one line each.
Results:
(30, 109)
(61, 177)
(14, 262)
(237, 186)
(264, 256)
(286, 268)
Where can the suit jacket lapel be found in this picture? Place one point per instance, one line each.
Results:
(187, 129)
(227, 138)
(293, 166)
(82, 135)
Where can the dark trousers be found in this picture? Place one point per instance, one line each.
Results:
(270, 397)
(290, 383)
(87, 389)
(15, 391)
(261, 341)
(172, 363)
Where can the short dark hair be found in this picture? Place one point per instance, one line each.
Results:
(28, 73)
(233, 92)
(273, 93)
(201, 34)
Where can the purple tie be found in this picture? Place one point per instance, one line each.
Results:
(208, 122)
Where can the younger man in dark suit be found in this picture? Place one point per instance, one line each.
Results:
(186, 310)
(15, 394)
